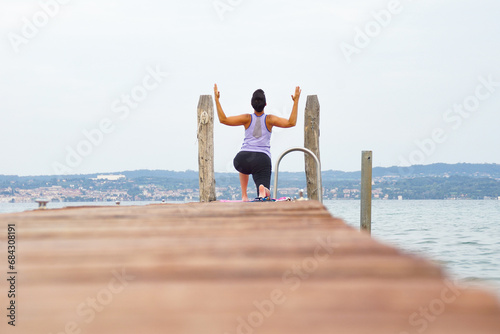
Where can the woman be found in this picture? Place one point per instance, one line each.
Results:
(255, 155)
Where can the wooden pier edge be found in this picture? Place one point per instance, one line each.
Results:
(287, 267)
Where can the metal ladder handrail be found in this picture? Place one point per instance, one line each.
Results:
(318, 166)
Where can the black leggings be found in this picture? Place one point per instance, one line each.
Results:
(257, 164)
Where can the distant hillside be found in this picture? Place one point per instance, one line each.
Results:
(434, 170)
(438, 181)
(442, 170)
(428, 187)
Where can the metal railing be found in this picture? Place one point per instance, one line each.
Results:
(318, 166)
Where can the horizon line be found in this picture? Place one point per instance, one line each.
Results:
(235, 172)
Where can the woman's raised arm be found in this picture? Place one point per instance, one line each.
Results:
(244, 119)
(292, 121)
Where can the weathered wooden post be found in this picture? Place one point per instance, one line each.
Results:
(206, 148)
(366, 191)
(311, 142)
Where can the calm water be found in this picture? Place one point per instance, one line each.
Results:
(463, 236)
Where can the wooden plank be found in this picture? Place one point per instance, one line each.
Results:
(284, 267)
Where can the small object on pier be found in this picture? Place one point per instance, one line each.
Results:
(301, 196)
(163, 201)
(117, 202)
(42, 203)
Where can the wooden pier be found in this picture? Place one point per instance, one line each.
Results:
(225, 268)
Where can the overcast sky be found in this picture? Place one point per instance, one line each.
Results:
(417, 82)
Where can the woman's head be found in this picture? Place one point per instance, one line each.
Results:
(259, 100)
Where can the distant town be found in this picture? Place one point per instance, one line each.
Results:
(439, 181)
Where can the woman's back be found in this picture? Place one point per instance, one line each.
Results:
(257, 136)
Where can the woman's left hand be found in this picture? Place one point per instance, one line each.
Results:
(216, 92)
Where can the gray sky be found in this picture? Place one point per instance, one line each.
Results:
(417, 82)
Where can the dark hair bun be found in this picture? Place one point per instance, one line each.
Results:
(259, 100)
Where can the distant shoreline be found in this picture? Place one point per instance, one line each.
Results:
(436, 182)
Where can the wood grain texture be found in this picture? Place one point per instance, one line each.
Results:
(311, 142)
(206, 148)
(286, 267)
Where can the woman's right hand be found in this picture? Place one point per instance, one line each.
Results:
(296, 97)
